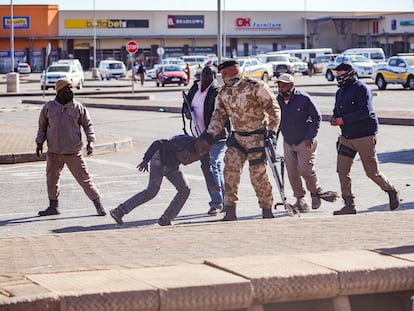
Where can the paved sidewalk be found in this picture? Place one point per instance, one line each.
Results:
(210, 266)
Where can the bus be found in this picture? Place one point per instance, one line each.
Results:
(305, 54)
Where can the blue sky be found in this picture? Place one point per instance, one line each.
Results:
(234, 5)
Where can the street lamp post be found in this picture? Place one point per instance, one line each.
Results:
(94, 69)
(11, 36)
(305, 25)
(219, 34)
(12, 78)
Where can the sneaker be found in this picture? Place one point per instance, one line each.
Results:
(394, 196)
(214, 211)
(116, 215)
(49, 211)
(164, 221)
(316, 201)
(301, 205)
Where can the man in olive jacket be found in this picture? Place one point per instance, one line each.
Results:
(60, 123)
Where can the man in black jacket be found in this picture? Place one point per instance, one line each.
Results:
(165, 157)
(354, 113)
(202, 98)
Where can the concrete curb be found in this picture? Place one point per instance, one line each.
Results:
(247, 283)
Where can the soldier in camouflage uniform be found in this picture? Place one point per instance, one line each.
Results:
(254, 113)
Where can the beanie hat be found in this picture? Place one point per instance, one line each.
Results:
(62, 83)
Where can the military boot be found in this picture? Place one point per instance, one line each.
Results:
(230, 213)
(99, 208)
(394, 196)
(267, 213)
(349, 207)
(51, 210)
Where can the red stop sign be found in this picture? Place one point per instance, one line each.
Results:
(132, 47)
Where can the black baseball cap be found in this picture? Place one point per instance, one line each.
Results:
(343, 66)
(228, 63)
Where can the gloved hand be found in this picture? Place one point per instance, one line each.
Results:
(39, 149)
(89, 148)
(207, 137)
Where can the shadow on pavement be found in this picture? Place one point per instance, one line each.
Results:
(385, 208)
(37, 218)
(399, 250)
(401, 157)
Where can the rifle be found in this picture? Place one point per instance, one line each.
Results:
(273, 159)
(193, 117)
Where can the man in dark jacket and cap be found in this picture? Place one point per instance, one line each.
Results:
(165, 157)
(354, 113)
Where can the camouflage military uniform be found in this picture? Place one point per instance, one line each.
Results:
(252, 109)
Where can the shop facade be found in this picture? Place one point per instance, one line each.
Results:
(84, 34)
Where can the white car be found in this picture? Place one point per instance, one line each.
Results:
(23, 68)
(109, 69)
(59, 71)
(300, 66)
(363, 66)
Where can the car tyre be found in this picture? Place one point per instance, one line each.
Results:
(410, 82)
(380, 82)
(329, 75)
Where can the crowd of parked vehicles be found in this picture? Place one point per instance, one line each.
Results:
(367, 63)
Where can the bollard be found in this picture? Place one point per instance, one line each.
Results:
(95, 74)
(13, 83)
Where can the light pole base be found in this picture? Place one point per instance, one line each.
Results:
(95, 74)
(13, 82)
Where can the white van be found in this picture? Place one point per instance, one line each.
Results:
(109, 69)
(75, 62)
(377, 55)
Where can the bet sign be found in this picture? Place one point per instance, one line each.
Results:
(132, 47)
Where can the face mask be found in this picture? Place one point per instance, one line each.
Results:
(65, 97)
(286, 94)
(343, 78)
(230, 81)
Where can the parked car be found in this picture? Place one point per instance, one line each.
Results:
(109, 69)
(171, 74)
(363, 66)
(76, 62)
(23, 68)
(253, 68)
(320, 60)
(299, 65)
(152, 73)
(280, 62)
(398, 70)
(58, 71)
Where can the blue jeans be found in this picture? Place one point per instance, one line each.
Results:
(217, 165)
(157, 172)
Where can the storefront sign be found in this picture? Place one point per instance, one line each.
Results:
(107, 23)
(406, 23)
(247, 23)
(20, 22)
(185, 21)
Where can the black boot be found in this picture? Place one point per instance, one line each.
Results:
(394, 196)
(230, 213)
(267, 213)
(51, 210)
(349, 207)
(99, 208)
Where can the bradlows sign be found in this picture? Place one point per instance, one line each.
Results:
(185, 21)
(248, 23)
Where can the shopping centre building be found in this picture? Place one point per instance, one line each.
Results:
(85, 33)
